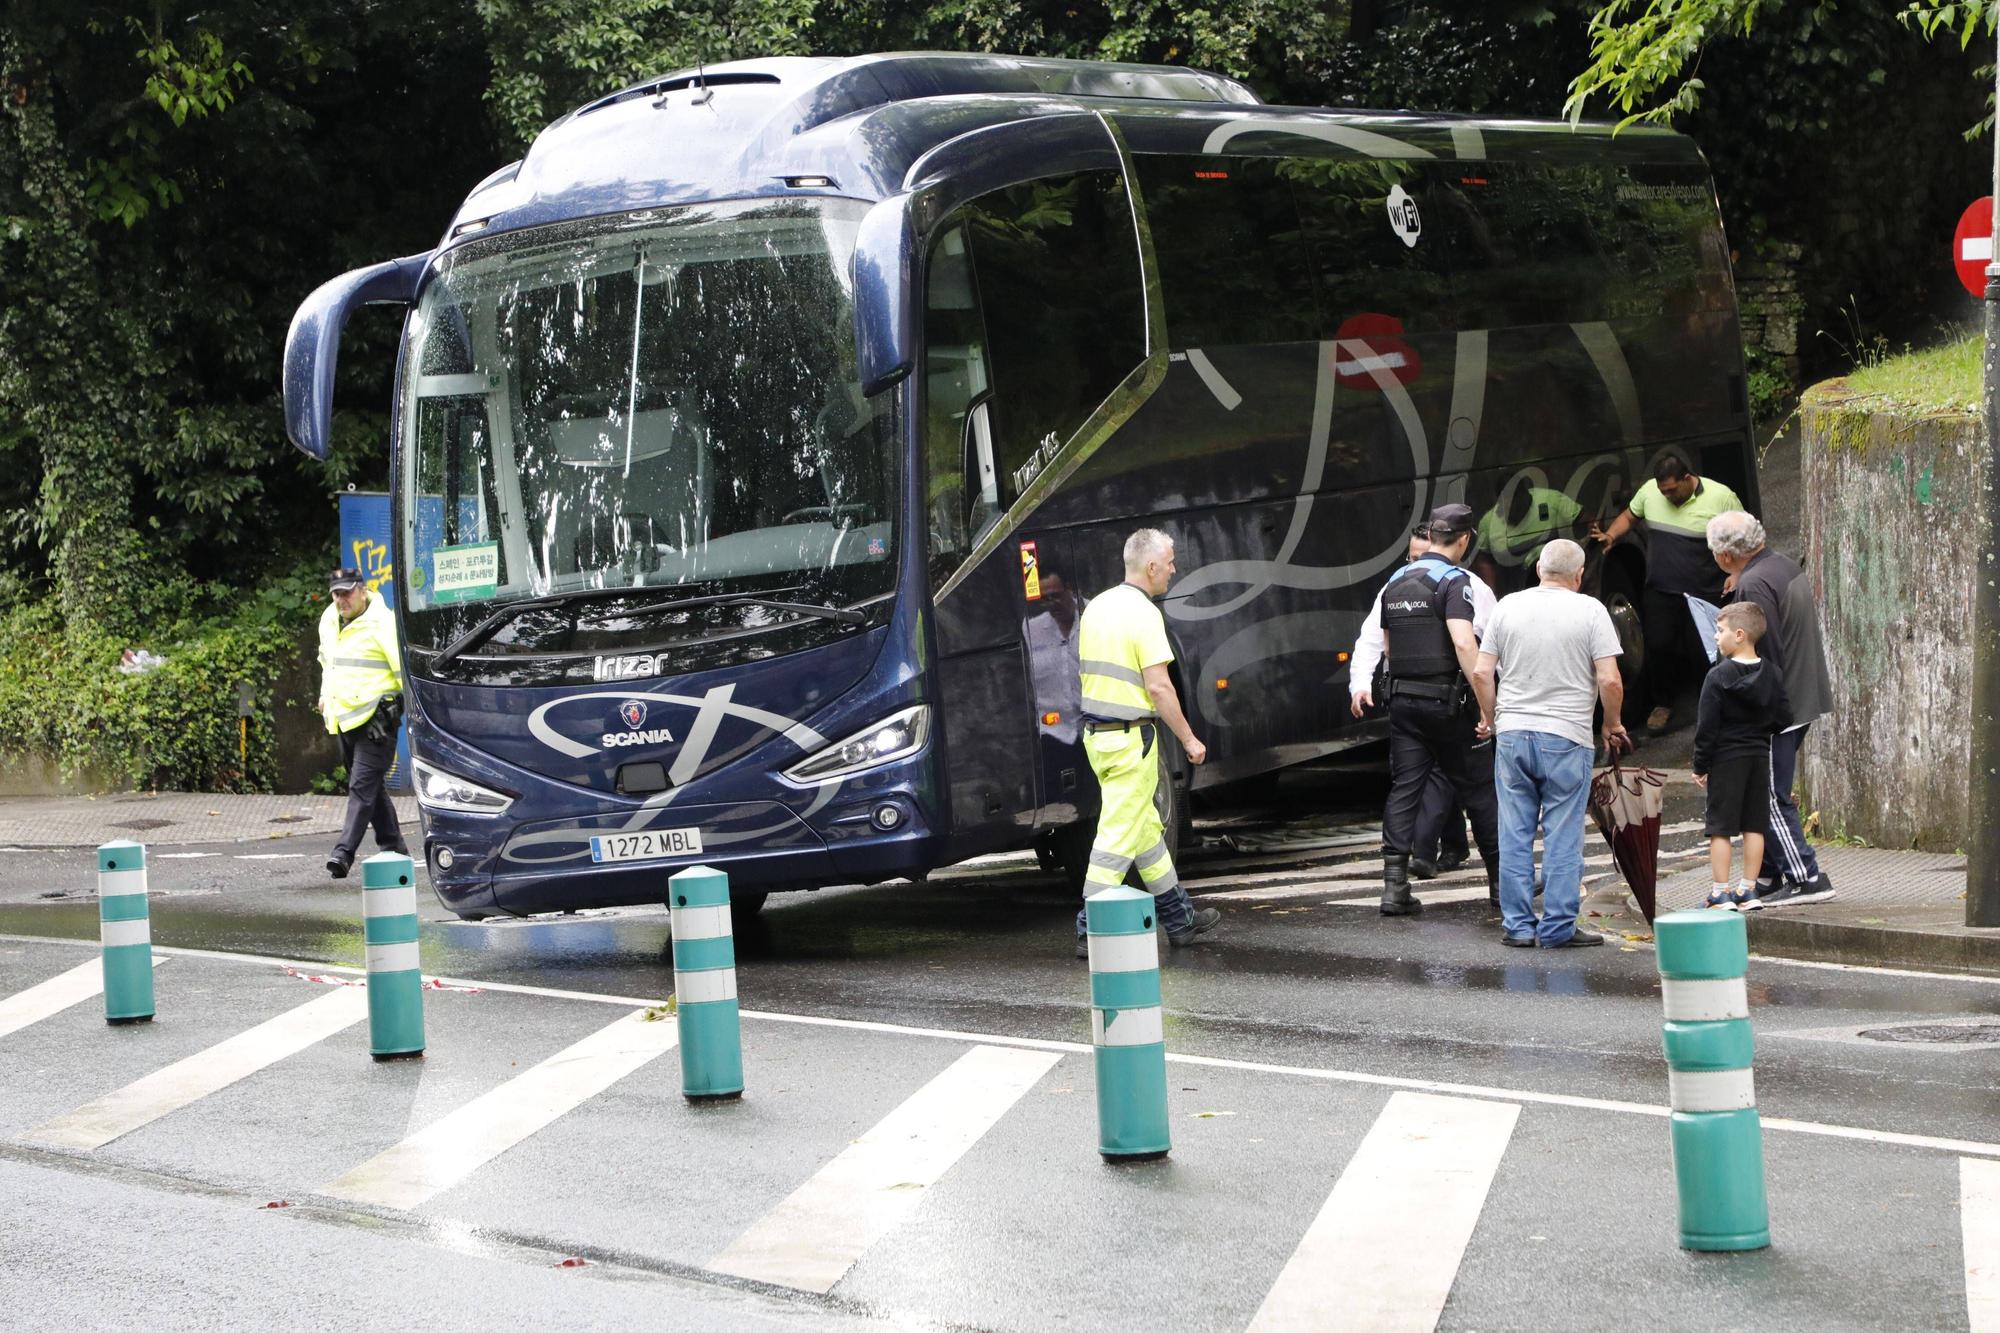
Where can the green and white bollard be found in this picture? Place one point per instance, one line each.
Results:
(125, 926)
(711, 1030)
(395, 982)
(1125, 1026)
(1718, 1140)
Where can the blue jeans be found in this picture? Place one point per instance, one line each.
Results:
(1541, 778)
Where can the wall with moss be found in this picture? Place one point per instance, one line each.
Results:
(1889, 521)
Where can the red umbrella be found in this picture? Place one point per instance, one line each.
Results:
(1626, 802)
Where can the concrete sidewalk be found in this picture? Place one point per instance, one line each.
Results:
(171, 818)
(1890, 908)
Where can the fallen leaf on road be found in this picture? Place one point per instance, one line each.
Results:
(279, 1203)
(574, 1262)
(1210, 1115)
(1871, 920)
(1636, 937)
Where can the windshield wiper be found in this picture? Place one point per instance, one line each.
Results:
(492, 624)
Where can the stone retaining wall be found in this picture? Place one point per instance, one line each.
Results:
(1889, 528)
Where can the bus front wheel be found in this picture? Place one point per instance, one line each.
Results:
(746, 902)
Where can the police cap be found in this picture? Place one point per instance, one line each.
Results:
(1448, 521)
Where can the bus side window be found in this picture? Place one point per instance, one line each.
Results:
(1056, 271)
(955, 379)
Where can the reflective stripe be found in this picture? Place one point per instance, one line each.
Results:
(718, 983)
(115, 934)
(120, 883)
(1710, 1090)
(360, 713)
(1093, 667)
(1104, 879)
(1165, 881)
(1704, 1001)
(371, 661)
(1123, 953)
(397, 900)
(1116, 711)
(1150, 855)
(392, 957)
(1127, 1027)
(1110, 860)
(701, 923)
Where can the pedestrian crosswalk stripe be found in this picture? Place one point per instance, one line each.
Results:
(51, 997)
(188, 1081)
(813, 1237)
(444, 1153)
(1386, 1245)
(1979, 1216)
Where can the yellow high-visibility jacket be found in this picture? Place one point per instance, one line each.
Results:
(359, 662)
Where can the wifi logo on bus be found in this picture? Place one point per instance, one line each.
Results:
(1404, 219)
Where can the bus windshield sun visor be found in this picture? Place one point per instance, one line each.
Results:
(487, 628)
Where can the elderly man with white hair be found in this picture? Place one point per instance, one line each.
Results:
(1791, 873)
(1555, 652)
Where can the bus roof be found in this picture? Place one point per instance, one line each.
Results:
(856, 127)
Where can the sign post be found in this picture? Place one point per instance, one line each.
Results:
(1982, 862)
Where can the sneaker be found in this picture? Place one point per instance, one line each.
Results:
(1083, 946)
(1728, 900)
(1796, 893)
(1422, 869)
(1204, 921)
(1579, 939)
(337, 865)
(1517, 941)
(1658, 720)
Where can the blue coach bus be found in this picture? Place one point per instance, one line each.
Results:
(759, 435)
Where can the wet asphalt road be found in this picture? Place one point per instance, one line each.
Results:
(1315, 1010)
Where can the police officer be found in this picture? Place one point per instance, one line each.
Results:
(1427, 620)
(360, 695)
(1123, 655)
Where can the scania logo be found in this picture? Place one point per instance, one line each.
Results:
(634, 712)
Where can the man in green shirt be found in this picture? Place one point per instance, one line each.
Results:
(1675, 507)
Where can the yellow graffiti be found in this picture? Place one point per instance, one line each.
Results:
(372, 559)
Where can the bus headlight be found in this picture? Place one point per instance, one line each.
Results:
(439, 790)
(897, 736)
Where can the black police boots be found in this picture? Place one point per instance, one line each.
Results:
(1396, 899)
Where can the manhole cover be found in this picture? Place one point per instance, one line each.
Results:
(290, 819)
(141, 824)
(1937, 1034)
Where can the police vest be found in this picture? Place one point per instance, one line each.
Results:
(1413, 623)
(359, 664)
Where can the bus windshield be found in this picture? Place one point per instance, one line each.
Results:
(661, 400)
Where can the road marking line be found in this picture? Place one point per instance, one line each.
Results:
(448, 1150)
(812, 1238)
(1387, 1243)
(1979, 1216)
(187, 1081)
(1971, 1147)
(52, 996)
(273, 856)
(183, 856)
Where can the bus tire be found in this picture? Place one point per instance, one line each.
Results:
(746, 902)
(1171, 800)
(1069, 851)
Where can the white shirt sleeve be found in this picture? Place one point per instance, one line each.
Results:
(1368, 648)
(1483, 605)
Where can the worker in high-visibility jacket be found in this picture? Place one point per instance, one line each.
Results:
(1123, 654)
(360, 695)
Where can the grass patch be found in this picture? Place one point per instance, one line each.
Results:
(1940, 379)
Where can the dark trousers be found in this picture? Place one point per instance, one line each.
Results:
(1440, 822)
(368, 764)
(1429, 736)
(1675, 659)
(1787, 854)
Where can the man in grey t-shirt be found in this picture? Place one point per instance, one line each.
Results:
(1556, 655)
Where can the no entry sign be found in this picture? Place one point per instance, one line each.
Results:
(1972, 245)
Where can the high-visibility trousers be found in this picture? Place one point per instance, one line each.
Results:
(1129, 833)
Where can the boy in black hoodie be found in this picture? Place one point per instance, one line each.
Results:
(1742, 706)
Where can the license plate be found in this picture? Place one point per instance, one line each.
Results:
(646, 846)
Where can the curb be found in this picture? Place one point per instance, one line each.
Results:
(1944, 948)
